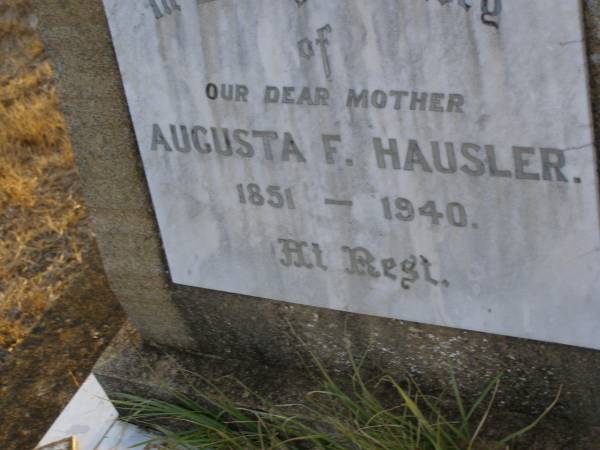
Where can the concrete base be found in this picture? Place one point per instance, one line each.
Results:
(131, 366)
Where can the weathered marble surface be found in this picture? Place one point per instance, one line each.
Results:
(527, 264)
(92, 419)
(88, 417)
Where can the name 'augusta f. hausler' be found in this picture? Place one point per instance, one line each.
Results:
(472, 159)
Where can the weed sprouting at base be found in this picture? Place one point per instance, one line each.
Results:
(331, 417)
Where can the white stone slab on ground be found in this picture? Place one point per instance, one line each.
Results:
(123, 436)
(91, 417)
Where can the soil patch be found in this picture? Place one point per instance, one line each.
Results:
(49, 365)
(44, 237)
(57, 312)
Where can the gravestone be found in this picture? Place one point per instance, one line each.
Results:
(411, 160)
(385, 174)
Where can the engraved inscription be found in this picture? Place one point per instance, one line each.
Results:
(226, 143)
(405, 100)
(432, 158)
(228, 92)
(490, 15)
(166, 7)
(359, 261)
(425, 160)
(475, 160)
(490, 9)
(274, 196)
(306, 49)
(334, 202)
(404, 210)
(300, 254)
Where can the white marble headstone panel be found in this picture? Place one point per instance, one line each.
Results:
(431, 161)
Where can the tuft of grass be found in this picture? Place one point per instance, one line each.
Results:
(377, 414)
(43, 236)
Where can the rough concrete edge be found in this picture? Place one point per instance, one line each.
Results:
(61, 25)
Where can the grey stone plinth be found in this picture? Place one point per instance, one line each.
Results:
(533, 374)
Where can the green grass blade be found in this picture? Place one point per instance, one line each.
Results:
(536, 422)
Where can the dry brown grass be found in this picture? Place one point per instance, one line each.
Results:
(43, 236)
